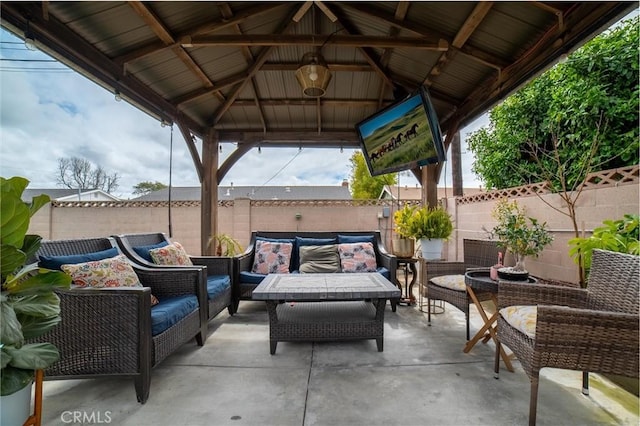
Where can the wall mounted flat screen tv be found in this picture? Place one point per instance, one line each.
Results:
(402, 136)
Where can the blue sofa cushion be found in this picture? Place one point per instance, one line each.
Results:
(350, 239)
(170, 311)
(143, 251)
(383, 271)
(249, 277)
(217, 284)
(55, 262)
(301, 241)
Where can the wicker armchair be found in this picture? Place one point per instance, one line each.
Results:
(216, 267)
(108, 332)
(593, 329)
(477, 253)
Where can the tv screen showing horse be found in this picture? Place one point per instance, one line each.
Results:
(401, 136)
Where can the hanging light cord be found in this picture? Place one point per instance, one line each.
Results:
(170, 174)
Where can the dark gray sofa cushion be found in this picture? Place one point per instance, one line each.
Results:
(319, 259)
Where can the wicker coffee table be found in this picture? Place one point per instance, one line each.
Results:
(317, 307)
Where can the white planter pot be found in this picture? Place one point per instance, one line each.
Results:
(431, 249)
(15, 408)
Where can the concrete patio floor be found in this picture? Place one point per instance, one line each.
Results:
(421, 378)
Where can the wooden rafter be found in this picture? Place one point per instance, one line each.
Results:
(351, 40)
(472, 22)
(474, 53)
(496, 87)
(255, 67)
(401, 12)
(344, 103)
(333, 67)
(368, 54)
(206, 28)
(159, 29)
(226, 11)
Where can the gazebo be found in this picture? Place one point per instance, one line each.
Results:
(302, 74)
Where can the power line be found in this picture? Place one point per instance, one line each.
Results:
(27, 60)
(35, 70)
(281, 168)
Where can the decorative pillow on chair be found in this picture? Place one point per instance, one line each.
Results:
(172, 254)
(272, 258)
(111, 272)
(357, 257)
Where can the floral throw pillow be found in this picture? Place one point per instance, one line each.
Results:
(172, 254)
(357, 257)
(111, 272)
(272, 258)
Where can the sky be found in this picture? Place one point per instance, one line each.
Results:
(48, 112)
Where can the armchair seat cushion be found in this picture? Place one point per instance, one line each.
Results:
(522, 318)
(453, 282)
(217, 284)
(171, 310)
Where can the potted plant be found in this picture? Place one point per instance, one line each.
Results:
(432, 226)
(29, 307)
(620, 235)
(403, 243)
(226, 245)
(522, 236)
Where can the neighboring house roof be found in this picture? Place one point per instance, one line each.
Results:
(192, 193)
(64, 194)
(415, 192)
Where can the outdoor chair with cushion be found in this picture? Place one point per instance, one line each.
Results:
(445, 280)
(113, 329)
(219, 269)
(590, 330)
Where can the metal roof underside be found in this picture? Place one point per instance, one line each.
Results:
(229, 66)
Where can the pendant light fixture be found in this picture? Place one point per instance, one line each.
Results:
(313, 75)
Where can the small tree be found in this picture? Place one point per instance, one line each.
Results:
(80, 173)
(363, 185)
(143, 188)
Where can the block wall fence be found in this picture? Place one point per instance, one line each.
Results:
(610, 196)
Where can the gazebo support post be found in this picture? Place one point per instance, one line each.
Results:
(209, 205)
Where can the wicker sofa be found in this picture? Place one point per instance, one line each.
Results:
(111, 331)
(218, 274)
(245, 281)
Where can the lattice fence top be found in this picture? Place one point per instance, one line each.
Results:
(347, 203)
(601, 179)
(613, 177)
(221, 203)
(126, 204)
(604, 178)
(516, 191)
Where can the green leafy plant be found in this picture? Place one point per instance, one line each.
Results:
(620, 235)
(521, 235)
(29, 307)
(434, 223)
(226, 245)
(402, 220)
